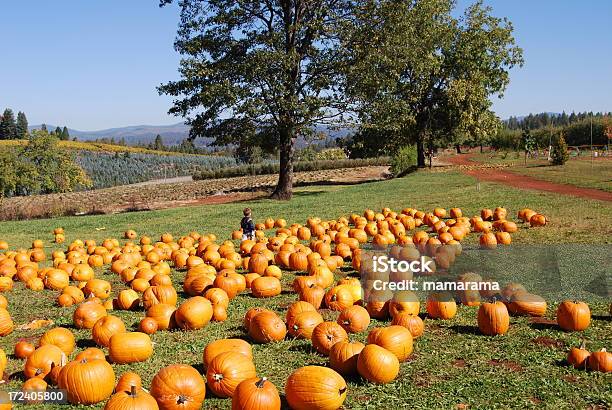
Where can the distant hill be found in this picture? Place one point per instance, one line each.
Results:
(134, 134)
(172, 134)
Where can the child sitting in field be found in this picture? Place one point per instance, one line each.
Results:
(247, 225)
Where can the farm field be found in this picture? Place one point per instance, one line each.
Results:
(452, 366)
(165, 195)
(579, 172)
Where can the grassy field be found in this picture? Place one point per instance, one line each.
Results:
(452, 367)
(579, 172)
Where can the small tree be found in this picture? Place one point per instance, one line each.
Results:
(22, 125)
(8, 128)
(65, 135)
(559, 153)
(529, 143)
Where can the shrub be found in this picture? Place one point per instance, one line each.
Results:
(404, 161)
(559, 153)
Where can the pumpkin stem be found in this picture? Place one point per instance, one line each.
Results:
(132, 391)
(217, 377)
(261, 382)
(342, 390)
(582, 344)
(181, 400)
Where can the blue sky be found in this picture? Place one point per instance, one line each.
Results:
(95, 64)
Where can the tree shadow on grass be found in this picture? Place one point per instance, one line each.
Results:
(465, 329)
(85, 343)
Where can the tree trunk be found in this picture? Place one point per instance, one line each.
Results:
(284, 187)
(458, 148)
(481, 149)
(420, 153)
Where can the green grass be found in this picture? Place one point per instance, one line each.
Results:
(452, 364)
(582, 173)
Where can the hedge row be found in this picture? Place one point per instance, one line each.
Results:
(300, 166)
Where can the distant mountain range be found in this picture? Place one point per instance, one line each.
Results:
(143, 134)
(134, 134)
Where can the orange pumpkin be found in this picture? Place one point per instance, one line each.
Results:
(343, 357)
(325, 335)
(315, 388)
(226, 371)
(178, 386)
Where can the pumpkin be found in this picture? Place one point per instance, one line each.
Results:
(325, 335)
(87, 382)
(404, 301)
(412, 322)
(527, 304)
(128, 299)
(213, 349)
(217, 296)
(573, 316)
(250, 314)
(127, 381)
(164, 316)
(147, 325)
(6, 323)
(302, 325)
(266, 287)
(296, 308)
(228, 283)
(91, 353)
(105, 328)
(159, 294)
(258, 263)
(23, 349)
(343, 357)
(35, 384)
(132, 399)
(298, 261)
(65, 300)
(75, 293)
(578, 356)
(98, 288)
(377, 364)
(194, 313)
(493, 318)
(129, 347)
(219, 313)
(178, 386)
(312, 294)
(537, 220)
(488, 241)
(441, 306)
(396, 339)
(267, 327)
(378, 304)
(226, 371)
(354, 319)
(60, 337)
(42, 360)
(600, 361)
(256, 394)
(87, 314)
(315, 388)
(339, 298)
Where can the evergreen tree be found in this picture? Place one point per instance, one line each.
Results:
(43, 127)
(22, 125)
(159, 143)
(65, 135)
(57, 132)
(8, 128)
(559, 153)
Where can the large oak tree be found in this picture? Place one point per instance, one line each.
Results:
(425, 77)
(265, 68)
